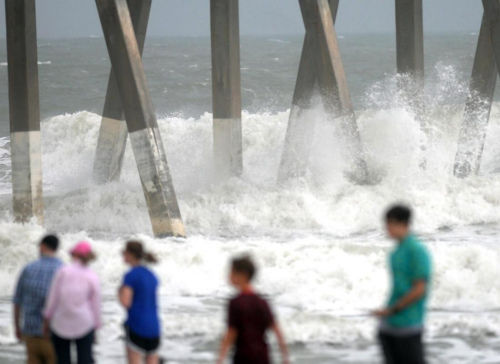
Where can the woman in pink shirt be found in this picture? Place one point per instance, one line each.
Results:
(72, 310)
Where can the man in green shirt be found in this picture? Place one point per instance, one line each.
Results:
(402, 321)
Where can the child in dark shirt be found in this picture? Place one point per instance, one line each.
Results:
(249, 317)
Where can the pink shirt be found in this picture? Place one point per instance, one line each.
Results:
(73, 305)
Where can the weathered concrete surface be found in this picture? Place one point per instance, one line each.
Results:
(482, 87)
(410, 38)
(226, 87)
(320, 64)
(113, 132)
(140, 117)
(24, 107)
(300, 130)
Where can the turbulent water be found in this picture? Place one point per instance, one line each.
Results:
(318, 240)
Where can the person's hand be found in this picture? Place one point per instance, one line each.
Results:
(286, 360)
(382, 313)
(19, 334)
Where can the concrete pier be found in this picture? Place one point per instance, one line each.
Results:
(321, 65)
(410, 38)
(113, 133)
(226, 87)
(481, 91)
(141, 118)
(24, 109)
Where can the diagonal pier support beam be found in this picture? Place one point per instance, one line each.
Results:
(320, 65)
(226, 87)
(24, 109)
(113, 132)
(140, 117)
(481, 91)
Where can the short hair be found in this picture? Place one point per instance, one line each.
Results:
(399, 213)
(51, 242)
(244, 265)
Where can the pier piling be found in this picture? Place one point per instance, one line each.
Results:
(410, 38)
(320, 65)
(226, 87)
(113, 132)
(140, 116)
(481, 91)
(24, 108)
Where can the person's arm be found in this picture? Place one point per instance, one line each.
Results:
(281, 342)
(126, 295)
(96, 302)
(17, 322)
(18, 298)
(53, 296)
(416, 293)
(226, 344)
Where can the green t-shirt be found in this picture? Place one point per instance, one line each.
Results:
(410, 262)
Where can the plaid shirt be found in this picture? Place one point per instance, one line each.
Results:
(31, 292)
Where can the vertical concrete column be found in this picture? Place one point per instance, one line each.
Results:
(410, 54)
(226, 86)
(410, 38)
(24, 109)
(113, 132)
(140, 117)
(481, 91)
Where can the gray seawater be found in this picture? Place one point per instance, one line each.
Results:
(73, 73)
(318, 240)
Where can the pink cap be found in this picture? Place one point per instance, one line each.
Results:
(83, 248)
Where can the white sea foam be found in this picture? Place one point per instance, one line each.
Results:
(316, 239)
(4, 64)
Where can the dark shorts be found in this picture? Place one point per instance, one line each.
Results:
(407, 349)
(140, 344)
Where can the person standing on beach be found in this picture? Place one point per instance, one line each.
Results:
(138, 294)
(249, 318)
(31, 292)
(402, 321)
(73, 308)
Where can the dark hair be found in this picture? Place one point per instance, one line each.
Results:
(136, 249)
(244, 265)
(399, 213)
(50, 241)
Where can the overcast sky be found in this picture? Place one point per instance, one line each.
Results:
(78, 18)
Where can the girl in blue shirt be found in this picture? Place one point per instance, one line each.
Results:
(138, 294)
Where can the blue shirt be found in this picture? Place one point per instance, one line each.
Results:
(143, 313)
(31, 292)
(410, 262)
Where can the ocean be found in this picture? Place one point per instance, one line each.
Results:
(318, 240)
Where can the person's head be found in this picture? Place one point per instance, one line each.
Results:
(243, 270)
(83, 252)
(398, 221)
(49, 245)
(134, 253)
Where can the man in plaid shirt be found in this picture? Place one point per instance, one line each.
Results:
(29, 300)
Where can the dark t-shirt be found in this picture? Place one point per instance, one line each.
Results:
(250, 316)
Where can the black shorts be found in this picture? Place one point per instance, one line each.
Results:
(139, 344)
